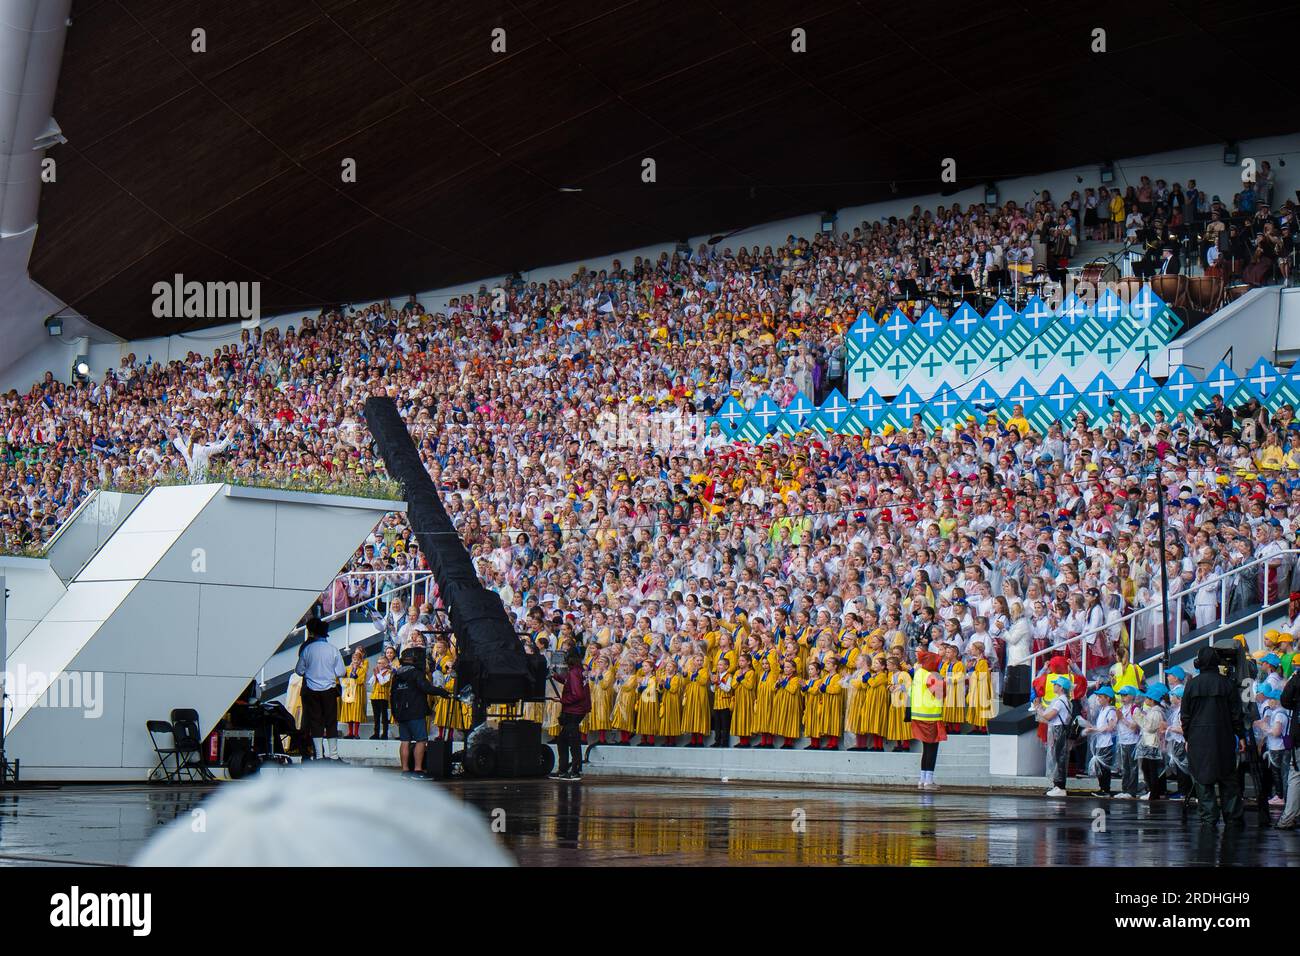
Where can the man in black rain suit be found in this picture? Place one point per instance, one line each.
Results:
(1212, 724)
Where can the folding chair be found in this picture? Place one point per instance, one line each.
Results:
(165, 755)
(189, 744)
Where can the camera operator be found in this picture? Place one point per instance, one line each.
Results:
(1213, 727)
(409, 696)
(575, 703)
(1291, 704)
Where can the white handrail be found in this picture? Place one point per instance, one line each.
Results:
(1223, 580)
(346, 613)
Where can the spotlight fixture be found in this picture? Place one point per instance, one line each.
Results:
(828, 220)
(893, 187)
(990, 195)
(570, 189)
(1107, 172)
(1078, 179)
(54, 325)
(81, 368)
(1231, 155)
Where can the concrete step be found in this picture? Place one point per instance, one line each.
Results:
(963, 762)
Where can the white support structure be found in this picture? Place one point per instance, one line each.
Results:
(181, 605)
(86, 529)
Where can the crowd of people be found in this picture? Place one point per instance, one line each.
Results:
(565, 424)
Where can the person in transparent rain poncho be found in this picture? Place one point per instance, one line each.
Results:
(1150, 749)
(1058, 716)
(1176, 767)
(1099, 731)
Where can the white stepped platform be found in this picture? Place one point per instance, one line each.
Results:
(963, 762)
(180, 607)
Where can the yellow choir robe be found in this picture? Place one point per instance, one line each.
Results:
(954, 691)
(602, 702)
(670, 705)
(647, 705)
(855, 696)
(877, 709)
(831, 720)
(764, 701)
(787, 708)
(695, 703)
(354, 711)
(625, 700)
(979, 694)
(742, 709)
(812, 708)
(897, 726)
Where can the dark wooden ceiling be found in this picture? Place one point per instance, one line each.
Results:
(226, 165)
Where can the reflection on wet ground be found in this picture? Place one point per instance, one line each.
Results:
(629, 822)
(603, 822)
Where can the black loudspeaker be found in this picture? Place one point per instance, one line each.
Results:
(491, 659)
(1015, 686)
(437, 759)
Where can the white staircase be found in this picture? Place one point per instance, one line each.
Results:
(178, 607)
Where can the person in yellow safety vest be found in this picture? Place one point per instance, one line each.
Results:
(927, 714)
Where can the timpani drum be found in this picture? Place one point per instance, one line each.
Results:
(1172, 289)
(1204, 293)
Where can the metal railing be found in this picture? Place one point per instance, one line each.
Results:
(363, 606)
(1223, 582)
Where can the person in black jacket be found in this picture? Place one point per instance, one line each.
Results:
(1291, 702)
(1213, 726)
(409, 700)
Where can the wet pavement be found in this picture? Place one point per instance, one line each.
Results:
(630, 822)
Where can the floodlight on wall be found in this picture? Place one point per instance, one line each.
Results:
(81, 368)
(1106, 173)
(828, 220)
(1231, 155)
(54, 325)
(990, 194)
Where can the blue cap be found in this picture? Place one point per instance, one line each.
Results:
(1272, 659)
(1177, 691)
(1271, 692)
(1128, 691)
(1105, 691)
(1157, 691)
(1063, 681)
(1178, 672)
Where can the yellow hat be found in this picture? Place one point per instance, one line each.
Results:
(887, 430)
(1260, 654)
(1270, 636)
